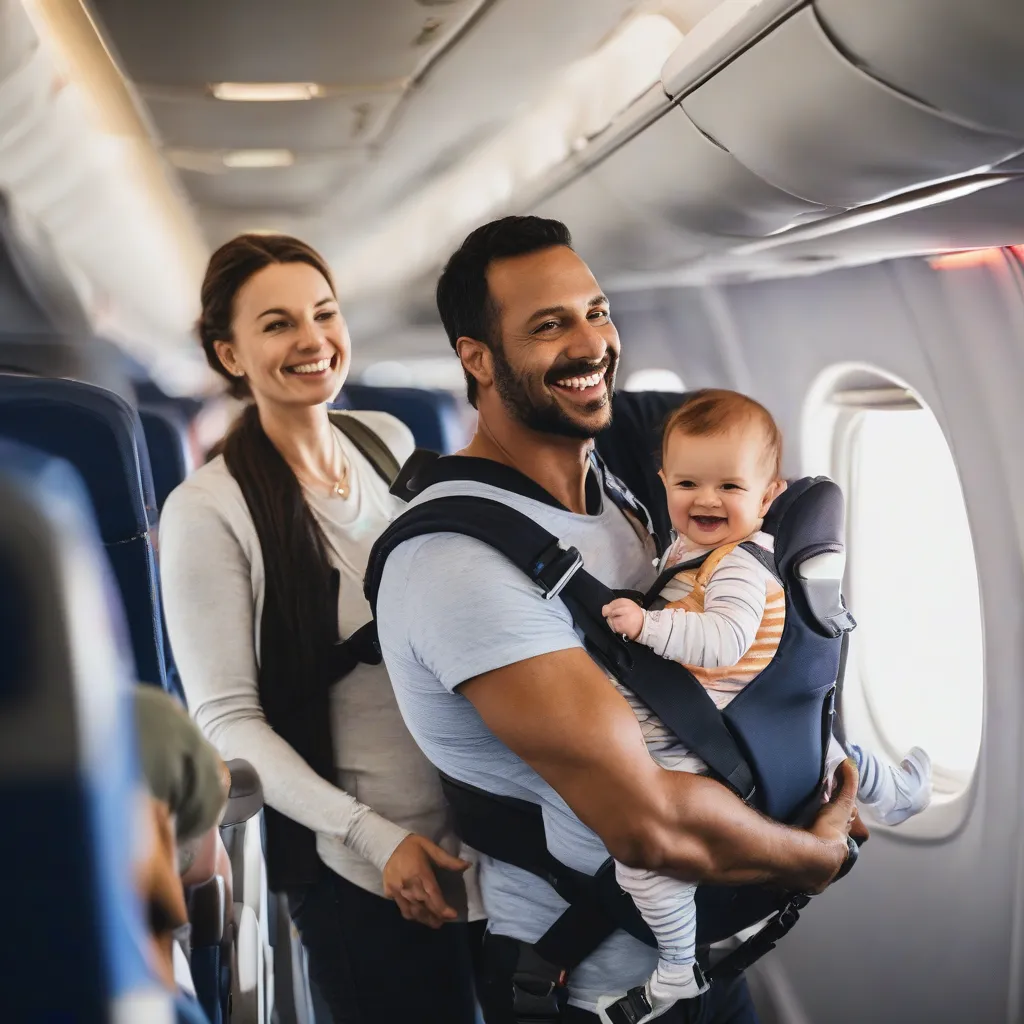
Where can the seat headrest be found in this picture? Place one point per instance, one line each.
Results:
(432, 416)
(36, 292)
(67, 772)
(167, 445)
(94, 430)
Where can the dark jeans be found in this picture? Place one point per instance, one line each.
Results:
(371, 966)
(723, 1004)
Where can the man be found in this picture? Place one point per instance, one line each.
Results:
(494, 681)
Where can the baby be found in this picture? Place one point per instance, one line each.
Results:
(721, 466)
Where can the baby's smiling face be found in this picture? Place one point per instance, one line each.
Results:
(719, 487)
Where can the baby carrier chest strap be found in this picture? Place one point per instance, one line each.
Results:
(711, 563)
(668, 689)
(512, 830)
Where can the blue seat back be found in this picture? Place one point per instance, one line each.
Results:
(68, 769)
(99, 434)
(432, 416)
(167, 441)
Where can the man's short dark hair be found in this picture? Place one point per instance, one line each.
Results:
(463, 300)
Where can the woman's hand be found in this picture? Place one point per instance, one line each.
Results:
(409, 880)
(624, 616)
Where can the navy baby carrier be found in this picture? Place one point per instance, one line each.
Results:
(768, 745)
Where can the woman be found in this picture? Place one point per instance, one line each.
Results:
(263, 551)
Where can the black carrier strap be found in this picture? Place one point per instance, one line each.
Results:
(512, 830)
(361, 647)
(370, 446)
(766, 558)
(668, 689)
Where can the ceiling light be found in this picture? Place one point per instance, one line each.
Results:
(259, 158)
(266, 92)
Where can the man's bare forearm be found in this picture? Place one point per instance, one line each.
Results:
(563, 717)
(702, 832)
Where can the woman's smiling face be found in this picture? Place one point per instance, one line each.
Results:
(288, 337)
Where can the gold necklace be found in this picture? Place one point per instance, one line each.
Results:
(341, 487)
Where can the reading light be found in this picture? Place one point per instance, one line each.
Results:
(266, 92)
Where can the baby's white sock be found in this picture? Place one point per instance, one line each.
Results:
(894, 793)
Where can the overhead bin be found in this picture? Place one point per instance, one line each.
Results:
(984, 219)
(798, 112)
(696, 184)
(965, 57)
(626, 236)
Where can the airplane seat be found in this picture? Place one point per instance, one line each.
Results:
(99, 434)
(166, 435)
(69, 776)
(212, 936)
(252, 991)
(431, 415)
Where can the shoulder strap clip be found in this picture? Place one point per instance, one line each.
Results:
(555, 567)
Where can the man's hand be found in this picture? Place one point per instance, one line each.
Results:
(624, 616)
(563, 717)
(838, 819)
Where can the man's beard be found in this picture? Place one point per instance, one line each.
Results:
(541, 412)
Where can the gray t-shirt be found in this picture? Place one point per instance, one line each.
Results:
(451, 608)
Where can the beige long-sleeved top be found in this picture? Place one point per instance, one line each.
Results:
(213, 585)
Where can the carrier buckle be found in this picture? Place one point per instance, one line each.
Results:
(555, 567)
(632, 1007)
(538, 989)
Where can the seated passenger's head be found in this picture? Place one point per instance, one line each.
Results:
(721, 461)
(270, 322)
(531, 326)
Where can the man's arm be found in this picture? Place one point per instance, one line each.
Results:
(562, 716)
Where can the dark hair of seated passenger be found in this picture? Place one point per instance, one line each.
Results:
(463, 300)
(298, 604)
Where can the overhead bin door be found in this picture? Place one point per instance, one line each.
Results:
(699, 184)
(959, 56)
(801, 114)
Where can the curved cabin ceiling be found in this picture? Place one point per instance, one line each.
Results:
(400, 90)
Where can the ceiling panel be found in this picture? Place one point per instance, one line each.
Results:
(305, 185)
(344, 42)
(320, 125)
(512, 56)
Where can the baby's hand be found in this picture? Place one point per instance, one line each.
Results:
(624, 616)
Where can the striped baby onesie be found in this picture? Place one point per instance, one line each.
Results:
(723, 621)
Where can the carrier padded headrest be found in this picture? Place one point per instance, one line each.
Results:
(807, 519)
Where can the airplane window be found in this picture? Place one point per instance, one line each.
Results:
(916, 669)
(654, 380)
(914, 588)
